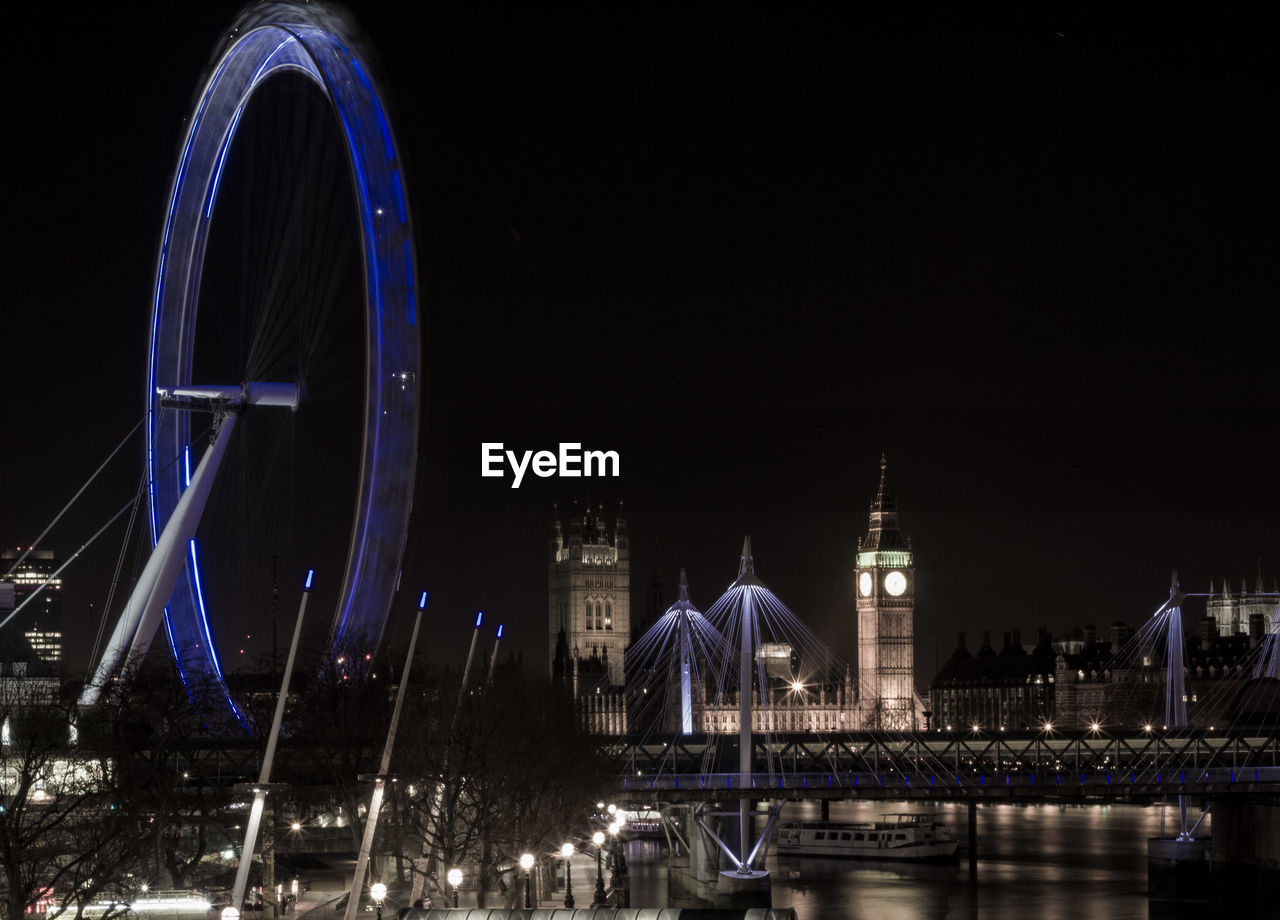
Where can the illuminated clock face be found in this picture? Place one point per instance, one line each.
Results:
(864, 583)
(895, 583)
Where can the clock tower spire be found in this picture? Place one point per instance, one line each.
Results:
(885, 605)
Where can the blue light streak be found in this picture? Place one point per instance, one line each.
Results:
(311, 573)
(422, 601)
(204, 620)
(499, 630)
(212, 652)
(479, 617)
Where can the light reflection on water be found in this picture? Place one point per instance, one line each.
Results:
(1039, 861)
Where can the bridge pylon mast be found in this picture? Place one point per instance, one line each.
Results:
(1175, 703)
(745, 569)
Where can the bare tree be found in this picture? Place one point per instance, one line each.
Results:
(63, 833)
(515, 775)
(165, 737)
(338, 723)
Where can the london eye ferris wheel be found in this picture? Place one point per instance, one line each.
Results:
(284, 305)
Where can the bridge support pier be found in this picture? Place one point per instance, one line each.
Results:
(706, 877)
(1178, 870)
(973, 840)
(1246, 850)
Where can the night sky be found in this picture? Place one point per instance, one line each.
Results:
(1034, 262)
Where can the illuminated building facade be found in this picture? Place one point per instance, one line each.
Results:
(589, 601)
(40, 622)
(1233, 614)
(816, 707)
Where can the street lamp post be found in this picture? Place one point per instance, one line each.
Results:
(567, 852)
(378, 891)
(619, 877)
(598, 839)
(455, 879)
(526, 863)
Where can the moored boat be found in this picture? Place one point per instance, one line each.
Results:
(914, 837)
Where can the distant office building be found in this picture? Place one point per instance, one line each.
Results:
(19, 662)
(40, 622)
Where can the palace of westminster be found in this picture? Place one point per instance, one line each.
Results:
(591, 629)
(589, 613)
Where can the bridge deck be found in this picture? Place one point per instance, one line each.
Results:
(1215, 782)
(1032, 765)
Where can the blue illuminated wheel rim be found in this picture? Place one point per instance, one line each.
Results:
(314, 42)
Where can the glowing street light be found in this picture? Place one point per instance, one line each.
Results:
(567, 852)
(618, 875)
(1094, 727)
(455, 879)
(612, 809)
(526, 863)
(230, 913)
(598, 839)
(378, 892)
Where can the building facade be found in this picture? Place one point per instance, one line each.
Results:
(589, 613)
(819, 707)
(1011, 689)
(1219, 674)
(40, 622)
(884, 578)
(1233, 613)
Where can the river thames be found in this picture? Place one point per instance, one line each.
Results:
(1038, 861)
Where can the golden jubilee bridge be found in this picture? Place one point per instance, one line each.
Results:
(1047, 765)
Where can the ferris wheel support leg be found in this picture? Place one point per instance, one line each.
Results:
(141, 617)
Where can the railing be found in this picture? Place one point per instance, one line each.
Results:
(1050, 783)
(959, 753)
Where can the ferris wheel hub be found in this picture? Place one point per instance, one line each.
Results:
(229, 397)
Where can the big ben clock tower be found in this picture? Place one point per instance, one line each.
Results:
(885, 585)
